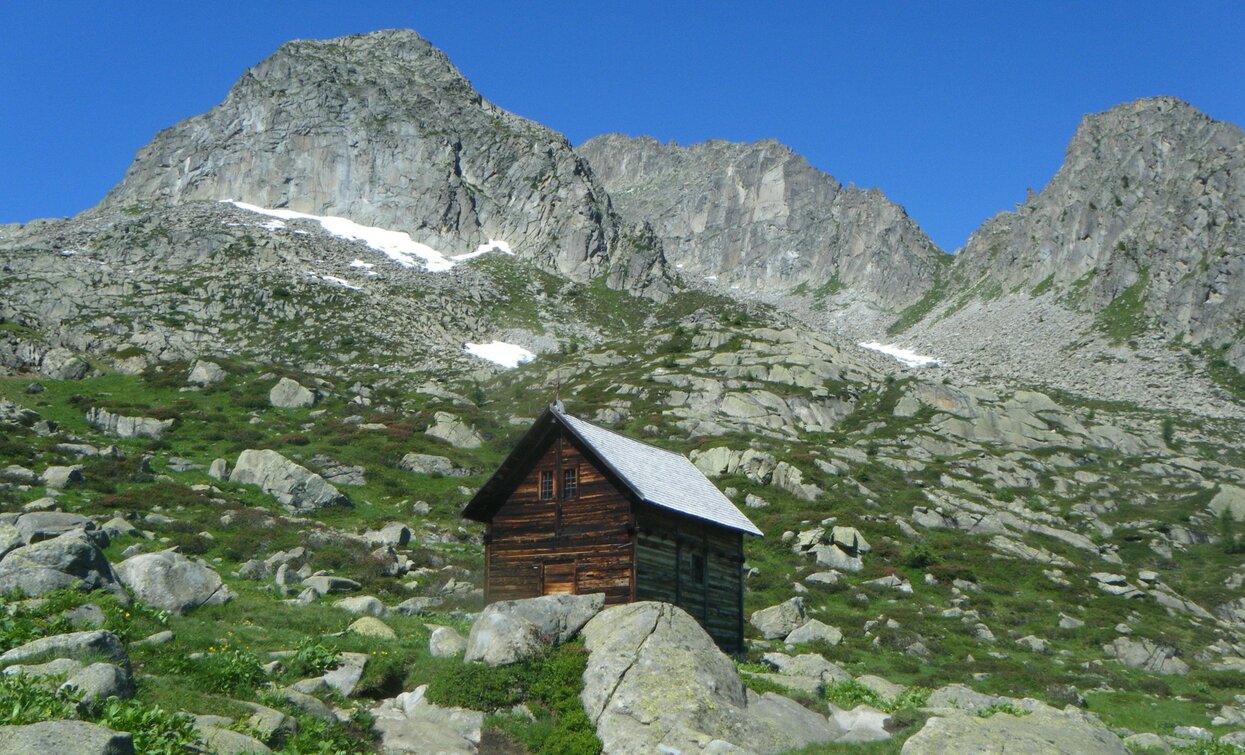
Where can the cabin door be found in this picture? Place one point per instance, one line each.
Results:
(559, 578)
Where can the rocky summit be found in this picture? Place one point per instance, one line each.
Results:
(244, 400)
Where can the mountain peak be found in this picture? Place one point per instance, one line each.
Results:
(383, 130)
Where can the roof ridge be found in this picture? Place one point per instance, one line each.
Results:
(564, 413)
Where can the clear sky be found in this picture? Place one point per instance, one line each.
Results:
(952, 109)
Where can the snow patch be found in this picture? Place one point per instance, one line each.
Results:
(499, 352)
(908, 357)
(396, 245)
(489, 246)
(361, 264)
(333, 279)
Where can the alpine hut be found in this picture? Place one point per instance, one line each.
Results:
(577, 508)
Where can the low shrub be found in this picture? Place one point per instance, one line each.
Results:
(311, 658)
(25, 700)
(225, 669)
(549, 685)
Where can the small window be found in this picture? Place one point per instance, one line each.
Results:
(570, 482)
(698, 568)
(546, 485)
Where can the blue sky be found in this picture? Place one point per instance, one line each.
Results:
(952, 109)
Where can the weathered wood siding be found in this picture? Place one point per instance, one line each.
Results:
(667, 547)
(581, 545)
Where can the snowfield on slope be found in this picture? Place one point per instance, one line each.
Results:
(907, 357)
(508, 355)
(396, 245)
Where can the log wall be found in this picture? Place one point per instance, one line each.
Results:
(583, 545)
(668, 547)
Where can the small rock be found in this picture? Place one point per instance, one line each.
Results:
(446, 643)
(370, 626)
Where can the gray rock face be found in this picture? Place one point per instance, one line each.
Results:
(510, 630)
(127, 427)
(64, 738)
(382, 129)
(297, 488)
(655, 680)
(1151, 200)
(760, 217)
(1044, 731)
(173, 582)
(289, 394)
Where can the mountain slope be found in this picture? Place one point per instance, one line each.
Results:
(758, 217)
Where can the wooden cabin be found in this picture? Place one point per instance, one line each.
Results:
(577, 508)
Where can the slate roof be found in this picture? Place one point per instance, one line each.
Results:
(660, 477)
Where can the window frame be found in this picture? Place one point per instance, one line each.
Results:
(570, 483)
(545, 486)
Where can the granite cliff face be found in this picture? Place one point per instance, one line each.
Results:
(1145, 221)
(382, 129)
(759, 218)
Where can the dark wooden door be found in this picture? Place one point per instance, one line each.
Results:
(559, 578)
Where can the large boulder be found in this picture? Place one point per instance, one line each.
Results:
(64, 738)
(1044, 730)
(656, 682)
(297, 488)
(69, 560)
(205, 374)
(454, 431)
(127, 427)
(289, 394)
(173, 582)
(510, 630)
